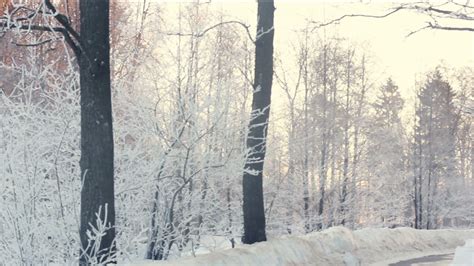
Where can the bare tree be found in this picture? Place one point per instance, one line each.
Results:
(97, 169)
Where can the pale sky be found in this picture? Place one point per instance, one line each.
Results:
(393, 54)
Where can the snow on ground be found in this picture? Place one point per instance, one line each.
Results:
(465, 255)
(335, 246)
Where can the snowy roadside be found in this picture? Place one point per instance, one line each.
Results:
(335, 246)
(410, 255)
(465, 255)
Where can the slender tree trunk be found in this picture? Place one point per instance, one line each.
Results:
(420, 186)
(291, 162)
(429, 201)
(472, 162)
(419, 173)
(357, 149)
(324, 141)
(345, 166)
(253, 208)
(415, 197)
(416, 184)
(307, 225)
(97, 146)
(332, 134)
(229, 216)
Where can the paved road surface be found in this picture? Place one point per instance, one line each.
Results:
(434, 260)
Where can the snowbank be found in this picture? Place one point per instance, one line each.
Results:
(465, 255)
(335, 246)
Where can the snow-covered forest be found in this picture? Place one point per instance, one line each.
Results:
(139, 129)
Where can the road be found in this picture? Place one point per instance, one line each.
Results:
(434, 260)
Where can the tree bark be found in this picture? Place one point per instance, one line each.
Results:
(97, 150)
(253, 208)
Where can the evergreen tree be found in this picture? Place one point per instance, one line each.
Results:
(436, 129)
(386, 160)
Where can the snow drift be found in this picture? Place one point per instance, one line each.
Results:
(335, 246)
(464, 255)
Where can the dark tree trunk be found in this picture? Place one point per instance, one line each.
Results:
(254, 213)
(97, 159)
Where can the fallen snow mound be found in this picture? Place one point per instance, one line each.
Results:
(465, 255)
(334, 246)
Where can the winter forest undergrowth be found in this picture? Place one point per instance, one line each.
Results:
(344, 145)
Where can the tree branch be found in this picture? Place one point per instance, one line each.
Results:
(63, 20)
(202, 33)
(63, 31)
(452, 14)
(432, 11)
(66, 30)
(439, 27)
(337, 20)
(33, 44)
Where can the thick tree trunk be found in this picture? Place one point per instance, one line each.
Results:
(254, 213)
(97, 146)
